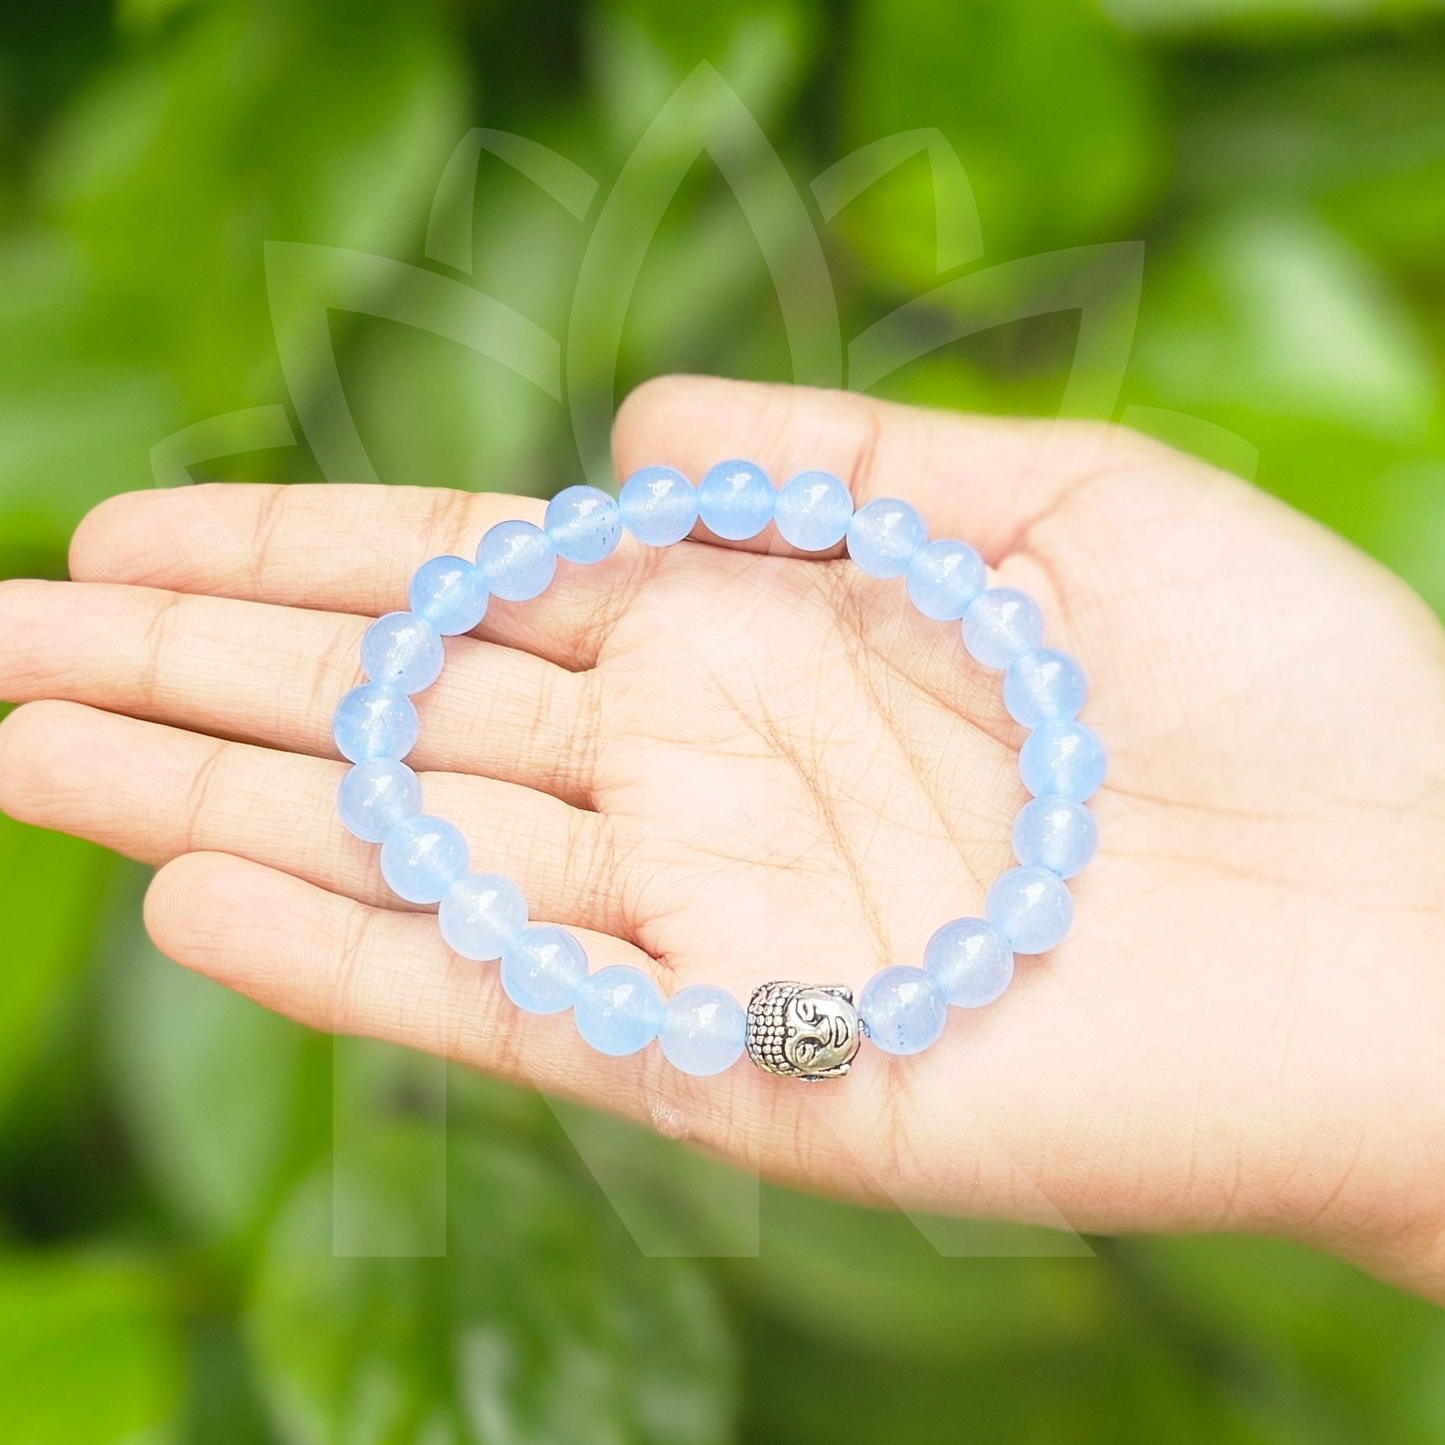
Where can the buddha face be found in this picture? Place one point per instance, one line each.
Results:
(820, 1031)
(807, 1031)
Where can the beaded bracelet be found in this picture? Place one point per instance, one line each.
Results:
(801, 1030)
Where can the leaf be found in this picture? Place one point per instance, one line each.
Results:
(208, 1085)
(1274, 312)
(1049, 111)
(543, 1323)
(48, 884)
(87, 1354)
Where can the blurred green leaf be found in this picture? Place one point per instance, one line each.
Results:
(208, 1084)
(1050, 112)
(1280, 1308)
(87, 1354)
(48, 888)
(1274, 313)
(542, 1323)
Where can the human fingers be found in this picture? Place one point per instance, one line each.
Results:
(155, 793)
(274, 675)
(343, 548)
(985, 479)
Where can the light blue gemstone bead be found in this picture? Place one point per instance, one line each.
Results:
(703, 1030)
(584, 524)
(375, 796)
(943, 578)
(1000, 624)
(542, 969)
(422, 857)
(812, 511)
(1042, 685)
(1056, 833)
(903, 1009)
(517, 559)
(1032, 908)
(1064, 760)
(884, 536)
(451, 593)
(735, 499)
(481, 914)
(971, 960)
(618, 1010)
(659, 506)
(375, 720)
(403, 649)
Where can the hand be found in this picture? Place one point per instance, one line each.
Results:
(728, 767)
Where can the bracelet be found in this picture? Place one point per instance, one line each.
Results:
(801, 1030)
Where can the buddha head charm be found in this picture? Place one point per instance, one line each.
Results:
(798, 1030)
(804, 1031)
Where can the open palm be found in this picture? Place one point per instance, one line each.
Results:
(727, 767)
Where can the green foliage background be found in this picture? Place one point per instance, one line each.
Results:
(168, 1206)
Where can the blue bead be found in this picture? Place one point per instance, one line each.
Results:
(375, 796)
(943, 578)
(375, 720)
(703, 1030)
(903, 1009)
(450, 593)
(735, 499)
(584, 524)
(1042, 685)
(517, 559)
(542, 969)
(1032, 908)
(812, 511)
(1063, 759)
(618, 1010)
(422, 857)
(1056, 833)
(481, 914)
(403, 649)
(971, 960)
(1000, 624)
(659, 506)
(884, 536)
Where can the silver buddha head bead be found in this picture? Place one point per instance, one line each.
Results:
(801, 1030)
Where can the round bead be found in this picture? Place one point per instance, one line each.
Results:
(735, 499)
(375, 720)
(584, 524)
(481, 914)
(422, 857)
(1063, 759)
(659, 506)
(943, 578)
(1032, 908)
(903, 1009)
(375, 796)
(1001, 623)
(517, 559)
(703, 1030)
(812, 511)
(971, 960)
(883, 537)
(542, 969)
(618, 1010)
(1042, 685)
(1056, 833)
(403, 649)
(451, 593)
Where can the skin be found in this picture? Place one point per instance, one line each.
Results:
(725, 767)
